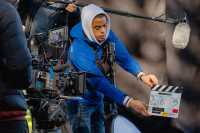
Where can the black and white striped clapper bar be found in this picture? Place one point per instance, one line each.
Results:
(165, 101)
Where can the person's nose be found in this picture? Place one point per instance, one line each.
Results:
(103, 29)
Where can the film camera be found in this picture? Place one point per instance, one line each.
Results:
(51, 80)
(51, 83)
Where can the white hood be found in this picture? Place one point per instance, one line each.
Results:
(87, 15)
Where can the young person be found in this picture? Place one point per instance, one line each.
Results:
(89, 38)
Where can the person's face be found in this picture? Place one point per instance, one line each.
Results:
(99, 28)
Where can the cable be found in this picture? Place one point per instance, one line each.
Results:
(39, 90)
(171, 11)
(42, 48)
(62, 89)
(68, 36)
(63, 51)
(71, 51)
(46, 43)
(68, 70)
(41, 44)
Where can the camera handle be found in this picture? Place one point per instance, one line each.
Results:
(111, 59)
(70, 97)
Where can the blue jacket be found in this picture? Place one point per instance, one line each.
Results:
(83, 59)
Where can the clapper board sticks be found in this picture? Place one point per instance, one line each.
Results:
(165, 101)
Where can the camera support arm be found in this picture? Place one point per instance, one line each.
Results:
(110, 58)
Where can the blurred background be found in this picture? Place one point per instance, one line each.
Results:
(150, 43)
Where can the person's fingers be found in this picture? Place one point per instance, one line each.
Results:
(73, 5)
(145, 105)
(147, 80)
(69, 6)
(143, 113)
(154, 79)
(140, 107)
(147, 113)
(149, 83)
(69, 9)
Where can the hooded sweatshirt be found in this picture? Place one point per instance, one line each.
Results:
(83, 58)
(87, 16)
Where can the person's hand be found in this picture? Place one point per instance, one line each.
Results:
(71, 7)
(139, 107)
(150, 80)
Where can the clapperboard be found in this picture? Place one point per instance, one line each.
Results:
(165, 101)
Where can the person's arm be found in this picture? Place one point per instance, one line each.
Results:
(123, 58)
(139, 107)
(129, 64)
(148, 79)
(82, 61)
(15, 52)
(23, 9)
(74, 16)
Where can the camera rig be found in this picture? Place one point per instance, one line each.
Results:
(49, 76)
(51, 82)
(109, 58)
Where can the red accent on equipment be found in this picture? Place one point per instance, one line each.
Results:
(175, 111)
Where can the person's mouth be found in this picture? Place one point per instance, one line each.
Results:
(103, 36)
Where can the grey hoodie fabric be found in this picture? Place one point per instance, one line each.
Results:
(88, 14)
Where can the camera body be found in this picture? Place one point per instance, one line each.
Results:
(52, 83)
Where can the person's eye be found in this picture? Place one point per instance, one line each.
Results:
(97, 28)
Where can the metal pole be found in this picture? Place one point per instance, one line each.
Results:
(118, 12)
